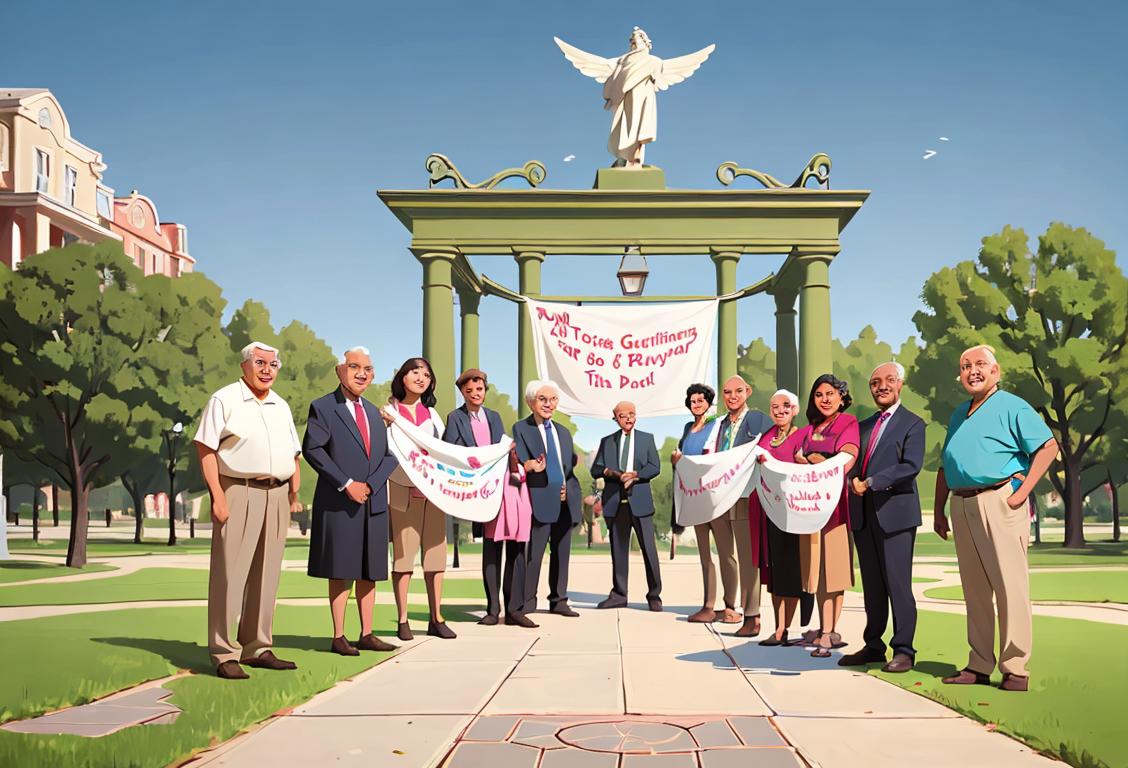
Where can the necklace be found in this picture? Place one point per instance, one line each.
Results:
(781, 437)
(817, 434)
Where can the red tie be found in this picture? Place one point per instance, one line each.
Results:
(362, 425)
(873, 439)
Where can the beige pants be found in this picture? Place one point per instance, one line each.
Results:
(416, 524)
(991, 541)
(733, 535)
(246, 560)
(825, 561)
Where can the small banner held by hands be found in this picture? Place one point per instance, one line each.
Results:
(466, 483)
(707, 486)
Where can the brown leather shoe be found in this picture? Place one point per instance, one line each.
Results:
(488, 620)
(704, 616)
(341, 647)
(860, 658)
(728, 616)
(440, 629)
(230, 670)
(901, 662)
(372, 643)
(520, 620)
(967, 677)
(750, 627)
(1014, 683)
(654, 604)
(267, 660)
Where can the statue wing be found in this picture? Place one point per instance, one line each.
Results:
(588, 63)
(676, 70)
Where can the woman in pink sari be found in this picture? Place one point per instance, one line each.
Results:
(510, 529)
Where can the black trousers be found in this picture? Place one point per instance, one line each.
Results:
(620, 527)
(557, 537)
(512, 581)
(886, 562)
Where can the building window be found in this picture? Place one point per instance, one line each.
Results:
(44, 118)
(137, 216)
(70, 190)
(105, 206)
(183, 232)
(42, 171)
(139, 256)
(158, 263)
(4, 138)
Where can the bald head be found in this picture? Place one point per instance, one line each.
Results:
(735, 393)
(624, 414)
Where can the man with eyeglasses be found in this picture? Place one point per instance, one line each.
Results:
(996, 451)
(249, 449)
(545, 448)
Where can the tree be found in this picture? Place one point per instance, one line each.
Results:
(757, 364)
(1058, 319)
(72, 327)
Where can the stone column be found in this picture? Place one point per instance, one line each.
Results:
(725, 263)
(529, 269)
(787, 356)
(468, 301)
(41, 233)
(438, 321)
(814, 319)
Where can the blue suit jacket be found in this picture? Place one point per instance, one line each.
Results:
(530, 445)
(333, 447)
(646, 463)
(892, 470)
(755, 423)
(459, 432)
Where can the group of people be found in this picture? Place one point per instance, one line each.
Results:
(997, 448)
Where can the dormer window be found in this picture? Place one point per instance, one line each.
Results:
(42, 171)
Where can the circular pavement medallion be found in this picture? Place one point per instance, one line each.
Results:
(628, 738)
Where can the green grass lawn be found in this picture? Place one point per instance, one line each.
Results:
(1084, 586)
(188, 584)
(1073, 710)
(26, 570)
(80, 658)
(858, 580)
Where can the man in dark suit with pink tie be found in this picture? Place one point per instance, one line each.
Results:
(884, 515)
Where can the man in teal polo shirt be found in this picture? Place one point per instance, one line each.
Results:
(996, 451)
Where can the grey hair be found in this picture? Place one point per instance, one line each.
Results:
(791, 396)
(249, 350)
(988, 351)
(536, 385)
(362, 350)
(897, 366)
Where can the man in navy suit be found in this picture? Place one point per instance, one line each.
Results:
(347, 444)
(884, 514)
(545, 448)
(628, 460)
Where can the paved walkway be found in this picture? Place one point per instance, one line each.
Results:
(619, 689)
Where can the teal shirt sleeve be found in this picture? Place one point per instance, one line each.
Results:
(1029, 429)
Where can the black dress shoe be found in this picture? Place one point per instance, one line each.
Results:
(613, 601)
(488, 620)
(520, 620)
(230, 670)
(771, 640)
(403, 631)
(654, 604)
(563, 609)
(341, 647)
(440, 629)
(370, 642)
(267, 660)
(860, 658)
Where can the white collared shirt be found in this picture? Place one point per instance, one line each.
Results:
(478, 415)
(556, 436)
(630, 450)
(884, 425)
(252, 438)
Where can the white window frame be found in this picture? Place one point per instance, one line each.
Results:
(5, 139)
(70, 185)
(139, 256)
(101, 195)
(182, 233)
(42, 180)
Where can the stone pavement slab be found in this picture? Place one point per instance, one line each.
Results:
(895, 743)
(750, 758)
(144, 706)
(594, 631)
(706, 681)
(841, 693)
(561, 684)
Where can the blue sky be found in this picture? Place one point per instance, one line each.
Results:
(267, 127)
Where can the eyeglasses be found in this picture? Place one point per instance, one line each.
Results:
(543, 399)
(354, 367)
(261, 364)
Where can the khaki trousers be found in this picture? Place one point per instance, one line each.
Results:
(246, 560)
(991, 542)
(733, 535)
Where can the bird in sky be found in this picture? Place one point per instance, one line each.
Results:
(569, 158)
(928, 153)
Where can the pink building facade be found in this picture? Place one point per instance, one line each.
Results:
(156, 247)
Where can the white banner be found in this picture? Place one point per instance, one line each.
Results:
(646, 353)
(798, 498)
(707, 486)
(463, 482)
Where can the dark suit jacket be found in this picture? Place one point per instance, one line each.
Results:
(755, 423)
(459, 432)
(530, 445)
(892, 470)
(646, 463)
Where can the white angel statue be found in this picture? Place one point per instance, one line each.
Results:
(630, 86)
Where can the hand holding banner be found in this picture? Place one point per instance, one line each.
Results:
(463, 482)
(707, 486)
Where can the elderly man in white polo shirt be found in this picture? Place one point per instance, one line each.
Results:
(249, 450)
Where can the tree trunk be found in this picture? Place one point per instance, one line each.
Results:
(1115, 511)
(1037, 518)
(35, 513)
(1074, 507)
(55, 504)
(80, 511)
(134, 491)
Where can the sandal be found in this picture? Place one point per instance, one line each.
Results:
(772, 641)
(836, 640)
(822, 647)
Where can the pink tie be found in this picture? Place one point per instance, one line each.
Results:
(873, 439)
(362, 425)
